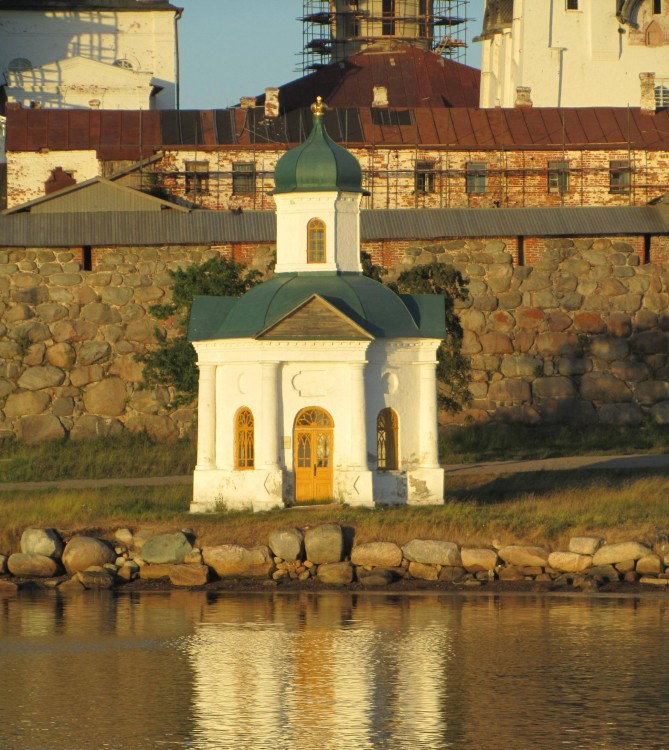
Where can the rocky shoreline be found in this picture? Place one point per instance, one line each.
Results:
(320, 557)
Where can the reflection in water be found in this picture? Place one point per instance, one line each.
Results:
(334, 670)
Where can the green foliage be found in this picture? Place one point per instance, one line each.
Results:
(173, 361)
(453, 368)
(370, 269)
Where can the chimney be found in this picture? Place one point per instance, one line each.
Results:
(380, 96)
(58, 180)
(247, 102)
(523, 97)
(271, 102)
(648, 102)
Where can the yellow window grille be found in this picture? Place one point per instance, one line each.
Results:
(316, 241)
(386, 440)
(244, 439)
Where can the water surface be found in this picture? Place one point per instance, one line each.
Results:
(332, 670)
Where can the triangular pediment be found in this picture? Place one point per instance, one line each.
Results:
(315, 319)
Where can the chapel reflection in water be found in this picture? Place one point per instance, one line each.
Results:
(335, 670)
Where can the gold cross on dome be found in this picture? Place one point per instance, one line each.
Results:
(319, 106)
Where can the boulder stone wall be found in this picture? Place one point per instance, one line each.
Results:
(580, 336)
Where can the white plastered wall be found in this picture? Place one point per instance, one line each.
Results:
(145, 39)
(570, 58)
(340, 212)
(352, 381)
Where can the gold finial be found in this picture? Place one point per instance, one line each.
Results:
(319, 106)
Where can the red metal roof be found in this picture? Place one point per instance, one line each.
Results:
(412, 76)
(133, 135)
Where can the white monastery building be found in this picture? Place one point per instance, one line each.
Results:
(89, 54)
(575, 53)
(320, 383)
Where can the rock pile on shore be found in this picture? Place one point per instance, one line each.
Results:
(321, 554)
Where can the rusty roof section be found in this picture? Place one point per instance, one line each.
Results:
(134, 135)
(413, 78)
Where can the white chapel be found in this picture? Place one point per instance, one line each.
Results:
(320, 383)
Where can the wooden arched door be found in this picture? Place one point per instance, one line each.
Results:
(313, 443)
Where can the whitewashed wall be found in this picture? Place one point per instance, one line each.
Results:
(572, 58)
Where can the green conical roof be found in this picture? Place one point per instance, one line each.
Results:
(318, 165)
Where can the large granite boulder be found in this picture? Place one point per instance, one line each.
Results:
(189, 575)
(95, 578)
(432, 552)
(423, 571)
(585, 545)
(338, 573)
(288, 544)
(477, 560)
(233, 561)
(569, 562)
(167, 548)
(377, 554)
(83, 552)
(324, 544)
(45, 542)
(524, 556)
(32, 566)
(610, 554)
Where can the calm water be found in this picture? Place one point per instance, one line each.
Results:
(334, 670)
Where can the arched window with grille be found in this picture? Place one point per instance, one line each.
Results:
(316, 241)
(386, 440)
(244, 437)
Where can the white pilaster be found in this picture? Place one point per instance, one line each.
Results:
(429, 456)
(269, 438)
(206, 429)
(358, 457)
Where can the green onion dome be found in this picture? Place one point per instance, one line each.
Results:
(319, 164)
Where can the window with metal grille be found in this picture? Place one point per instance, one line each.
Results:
(244, 438)
(425, 176)
(197, 178)
(244, 178)
(386, 440)
(620, 176)
(572, 4)
(558, 177)
(316, 241)
(657, 7)
(476, 177)
(662, 94)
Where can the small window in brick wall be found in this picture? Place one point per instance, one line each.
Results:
(476, 177)
(558, 177)
(425, 173)
(197, 178)
(244, 178)
(620, 176)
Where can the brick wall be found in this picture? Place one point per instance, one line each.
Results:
(512, 178)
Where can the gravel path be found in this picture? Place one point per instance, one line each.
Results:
(486, 468)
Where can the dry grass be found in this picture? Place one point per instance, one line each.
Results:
(540, 508)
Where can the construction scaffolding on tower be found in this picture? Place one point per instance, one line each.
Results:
(335, 29)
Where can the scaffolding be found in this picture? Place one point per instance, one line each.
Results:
(335, 29)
